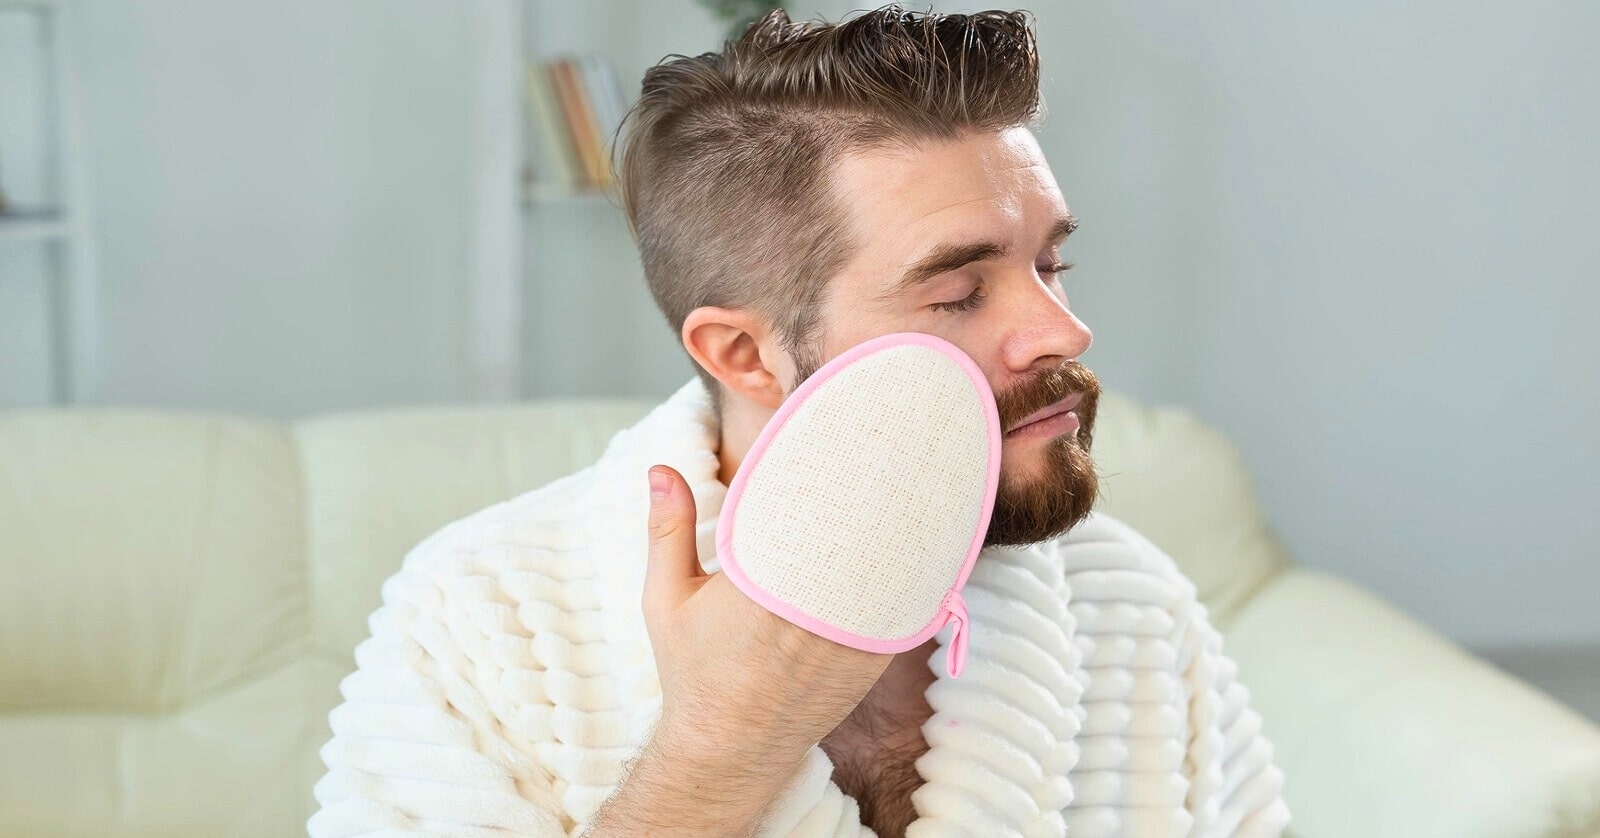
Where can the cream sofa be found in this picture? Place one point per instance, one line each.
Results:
(181, 592)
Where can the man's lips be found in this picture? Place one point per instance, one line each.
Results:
(1067, 404)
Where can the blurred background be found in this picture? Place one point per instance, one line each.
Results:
(1359, 238)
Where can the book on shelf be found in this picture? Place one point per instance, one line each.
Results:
(576, 106)
(550, 159)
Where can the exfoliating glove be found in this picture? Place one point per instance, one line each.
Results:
(860, 509)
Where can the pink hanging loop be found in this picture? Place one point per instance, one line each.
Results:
(956, 656)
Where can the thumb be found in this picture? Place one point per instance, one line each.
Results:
(674, 558)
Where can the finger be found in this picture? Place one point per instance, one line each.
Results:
(673, 558)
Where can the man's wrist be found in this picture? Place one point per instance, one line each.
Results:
(688, 783)
(746, 759)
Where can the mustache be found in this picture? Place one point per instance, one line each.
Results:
(1047, 387)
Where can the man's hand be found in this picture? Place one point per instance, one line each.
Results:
(744, 692)
(739, 676)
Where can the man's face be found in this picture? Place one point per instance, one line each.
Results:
(1002, 305)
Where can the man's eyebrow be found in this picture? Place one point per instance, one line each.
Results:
(949, 257)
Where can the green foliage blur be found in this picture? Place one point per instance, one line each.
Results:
(737, 15)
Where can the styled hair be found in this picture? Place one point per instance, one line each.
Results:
(726, 169)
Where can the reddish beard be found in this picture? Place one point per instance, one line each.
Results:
(1030, 510)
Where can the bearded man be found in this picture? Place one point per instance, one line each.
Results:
(572, 661)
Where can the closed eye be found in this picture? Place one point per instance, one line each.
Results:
(971, 301)
(976, 298)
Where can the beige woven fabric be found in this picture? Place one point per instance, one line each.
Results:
(863, 508)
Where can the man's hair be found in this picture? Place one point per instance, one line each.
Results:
(725, 174)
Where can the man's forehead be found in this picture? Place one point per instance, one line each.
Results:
(900, 171)
(925, 211)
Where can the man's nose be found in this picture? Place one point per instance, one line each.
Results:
(1048, 334)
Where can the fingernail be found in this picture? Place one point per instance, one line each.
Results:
(660, 483)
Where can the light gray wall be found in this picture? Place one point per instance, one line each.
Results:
(1360, 238)
(281, 194)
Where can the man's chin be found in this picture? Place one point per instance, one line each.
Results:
(1045, 490)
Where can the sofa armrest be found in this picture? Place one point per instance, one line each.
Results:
(1383, 727)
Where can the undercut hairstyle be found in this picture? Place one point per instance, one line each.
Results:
(726, 176)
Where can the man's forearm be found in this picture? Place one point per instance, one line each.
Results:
(678, 789)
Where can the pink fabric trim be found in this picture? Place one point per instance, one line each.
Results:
(956, 661)
(954, 606)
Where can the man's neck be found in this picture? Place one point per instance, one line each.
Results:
(737, 429)
(730, 463)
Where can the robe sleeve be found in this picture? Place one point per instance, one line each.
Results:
(812, 806)
(1236, 790)
(419, 747)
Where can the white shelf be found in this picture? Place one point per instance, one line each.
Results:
(60, 214)
(31, 225)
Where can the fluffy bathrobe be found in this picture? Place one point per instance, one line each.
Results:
(509, 675)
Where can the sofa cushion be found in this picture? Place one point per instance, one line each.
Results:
(152, 558)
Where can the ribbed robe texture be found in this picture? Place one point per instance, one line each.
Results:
(509, 675)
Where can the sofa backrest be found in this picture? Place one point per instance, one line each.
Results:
(377, 483)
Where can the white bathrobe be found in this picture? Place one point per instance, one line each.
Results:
(509, 675)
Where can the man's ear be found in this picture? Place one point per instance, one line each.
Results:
(739, 350)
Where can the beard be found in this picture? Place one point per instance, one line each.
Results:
(1031, 510)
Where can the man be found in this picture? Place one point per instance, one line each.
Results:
(571, 661)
